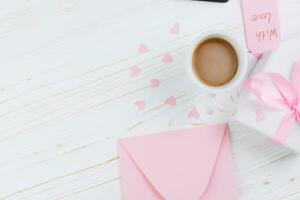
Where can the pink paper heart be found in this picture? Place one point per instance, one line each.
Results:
(167, 58)
(175, 28)
(194, 114)
(140, 104)
(171, 101)
(154, 83)
(260, 116)
(258, 55)
(143, 48)
(135, 71)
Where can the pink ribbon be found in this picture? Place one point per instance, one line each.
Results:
(276, 92)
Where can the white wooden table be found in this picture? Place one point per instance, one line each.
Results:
(67, 94)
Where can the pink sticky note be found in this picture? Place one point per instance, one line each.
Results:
(261, 23)
(187, 164)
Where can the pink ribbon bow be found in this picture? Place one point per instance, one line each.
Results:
(276, 92)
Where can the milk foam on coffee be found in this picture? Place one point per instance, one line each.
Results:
(215, 62)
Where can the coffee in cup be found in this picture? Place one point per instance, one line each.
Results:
(216, 62)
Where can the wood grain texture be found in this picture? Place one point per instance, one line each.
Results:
(66, 94)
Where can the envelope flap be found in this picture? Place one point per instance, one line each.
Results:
(178, 164)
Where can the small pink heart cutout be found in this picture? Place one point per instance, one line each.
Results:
(154, 83)
(135, 71)
(194, 114)
(143, 48)
(167, 58)
(140, 104)
(171, 101)
(175, 28)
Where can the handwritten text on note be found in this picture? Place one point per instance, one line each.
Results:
(261, 25)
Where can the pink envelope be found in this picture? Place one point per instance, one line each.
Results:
(188, 164)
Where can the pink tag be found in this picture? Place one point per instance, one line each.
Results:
(261, 25)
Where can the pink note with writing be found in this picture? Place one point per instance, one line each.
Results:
(261, 25)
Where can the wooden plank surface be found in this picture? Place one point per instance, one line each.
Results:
(67, 94)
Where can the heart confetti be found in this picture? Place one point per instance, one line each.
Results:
(154, 83)
(175, 29)
(194, 113)
(143, 48)
(135, 71)
(171, 101)
(167, 58)
(140, 104)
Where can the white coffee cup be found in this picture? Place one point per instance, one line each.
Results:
(242, 56)
(236, 81)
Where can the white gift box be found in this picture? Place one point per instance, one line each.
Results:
(252, 113)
